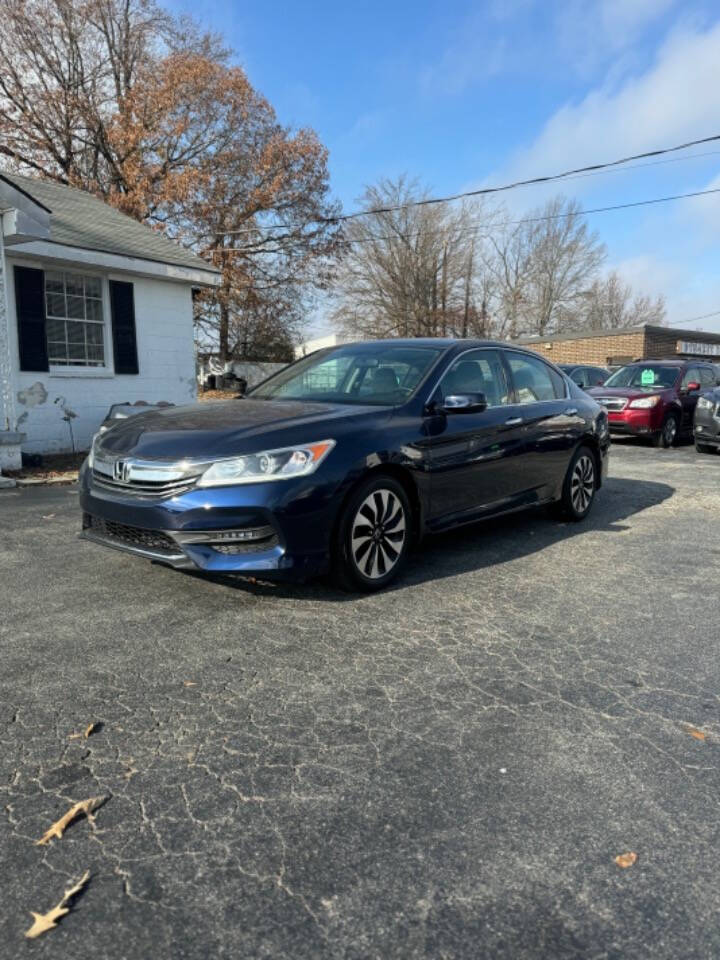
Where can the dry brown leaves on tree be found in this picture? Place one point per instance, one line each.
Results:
(42, 922)
(625, 860)
(85, 807)
(84, 734)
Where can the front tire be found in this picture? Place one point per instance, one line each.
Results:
(669, 433)
(373, 536)
(578, 494)
(704, 447)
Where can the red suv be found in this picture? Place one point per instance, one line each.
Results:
(655, 398)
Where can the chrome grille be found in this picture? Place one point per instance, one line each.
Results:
(135, 488)
(144, 478)
(613, 403)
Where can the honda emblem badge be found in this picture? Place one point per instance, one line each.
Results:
(121, 471)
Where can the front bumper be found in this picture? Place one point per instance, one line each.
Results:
(275, 529)
(708, 433)
(633, 423)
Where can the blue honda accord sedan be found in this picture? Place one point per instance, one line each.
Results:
(343, 460)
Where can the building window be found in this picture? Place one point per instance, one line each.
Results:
(75, 324)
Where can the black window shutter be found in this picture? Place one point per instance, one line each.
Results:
(30, 309)
(122, 307)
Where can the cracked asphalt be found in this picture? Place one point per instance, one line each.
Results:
(444, 770)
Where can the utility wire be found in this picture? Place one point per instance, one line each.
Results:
(546, 217)
(705, 316)
(484, 191)
(259, 229)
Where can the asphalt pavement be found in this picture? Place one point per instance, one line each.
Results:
(448, 769)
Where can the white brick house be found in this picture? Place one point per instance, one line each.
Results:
(95, 309)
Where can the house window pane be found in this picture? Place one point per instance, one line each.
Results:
(92, 287)
(93, 310)
(54, 282)
(75, 328)
(56, 305)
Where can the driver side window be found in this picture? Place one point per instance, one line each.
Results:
(478, 371)
(692, 375)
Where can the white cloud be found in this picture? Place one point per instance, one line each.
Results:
(677, 99)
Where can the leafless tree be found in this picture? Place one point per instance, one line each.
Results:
(610, 304)
(410, 270)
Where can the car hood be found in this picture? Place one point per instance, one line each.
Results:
(210, 430)
(629, 392)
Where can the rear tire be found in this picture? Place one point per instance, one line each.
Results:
(373, 536)
(579, 486)
(668, 436)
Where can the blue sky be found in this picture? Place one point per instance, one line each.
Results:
(461, 94)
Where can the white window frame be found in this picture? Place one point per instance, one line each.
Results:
(74, 371)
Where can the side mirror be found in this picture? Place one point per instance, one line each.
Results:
(464, 403)
(692, 386)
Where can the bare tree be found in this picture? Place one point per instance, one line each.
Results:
(409, 270)
(610, 304)
(123, 99)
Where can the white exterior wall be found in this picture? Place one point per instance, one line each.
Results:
(166, 356)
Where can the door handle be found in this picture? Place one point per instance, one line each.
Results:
(571, 411)
(513, 421)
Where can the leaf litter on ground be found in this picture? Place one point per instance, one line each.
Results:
(85, 807)
(84, 734)
(42, 922)
(626, 860)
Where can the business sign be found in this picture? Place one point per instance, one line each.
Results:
(704, 349)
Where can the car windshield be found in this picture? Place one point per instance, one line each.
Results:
(644, 376)
(362, 373)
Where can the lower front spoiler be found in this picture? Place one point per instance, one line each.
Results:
(708, 439)
(273, 562)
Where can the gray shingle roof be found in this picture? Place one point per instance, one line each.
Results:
(78, 219)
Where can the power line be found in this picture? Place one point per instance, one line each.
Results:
(524, 183)
(705, 316)
(546, 217)
(596, 173)
(577, 173)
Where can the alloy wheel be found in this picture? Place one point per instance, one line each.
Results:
(669, 430)
(582, 485)
(378, 534)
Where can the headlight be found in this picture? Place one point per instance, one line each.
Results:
(705, 404)
(297, 461)
(642, 403)
(91, 454)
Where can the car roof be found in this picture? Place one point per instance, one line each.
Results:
(446, 342)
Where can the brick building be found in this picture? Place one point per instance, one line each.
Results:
(610, 348)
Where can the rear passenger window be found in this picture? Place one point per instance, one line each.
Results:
(707, 377)
(478, 371)
(534, 380)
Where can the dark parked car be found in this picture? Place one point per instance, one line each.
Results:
(585, 376)
(655, 398)
(121, 411)
(343, 459)
(707, 422)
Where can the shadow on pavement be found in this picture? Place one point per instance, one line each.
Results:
(481, 544)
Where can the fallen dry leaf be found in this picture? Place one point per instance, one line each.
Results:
(694, 732)
(626, 859)
(84, 734)
(189, 683)
(42, 922)
(49, 516)
(59, 827)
